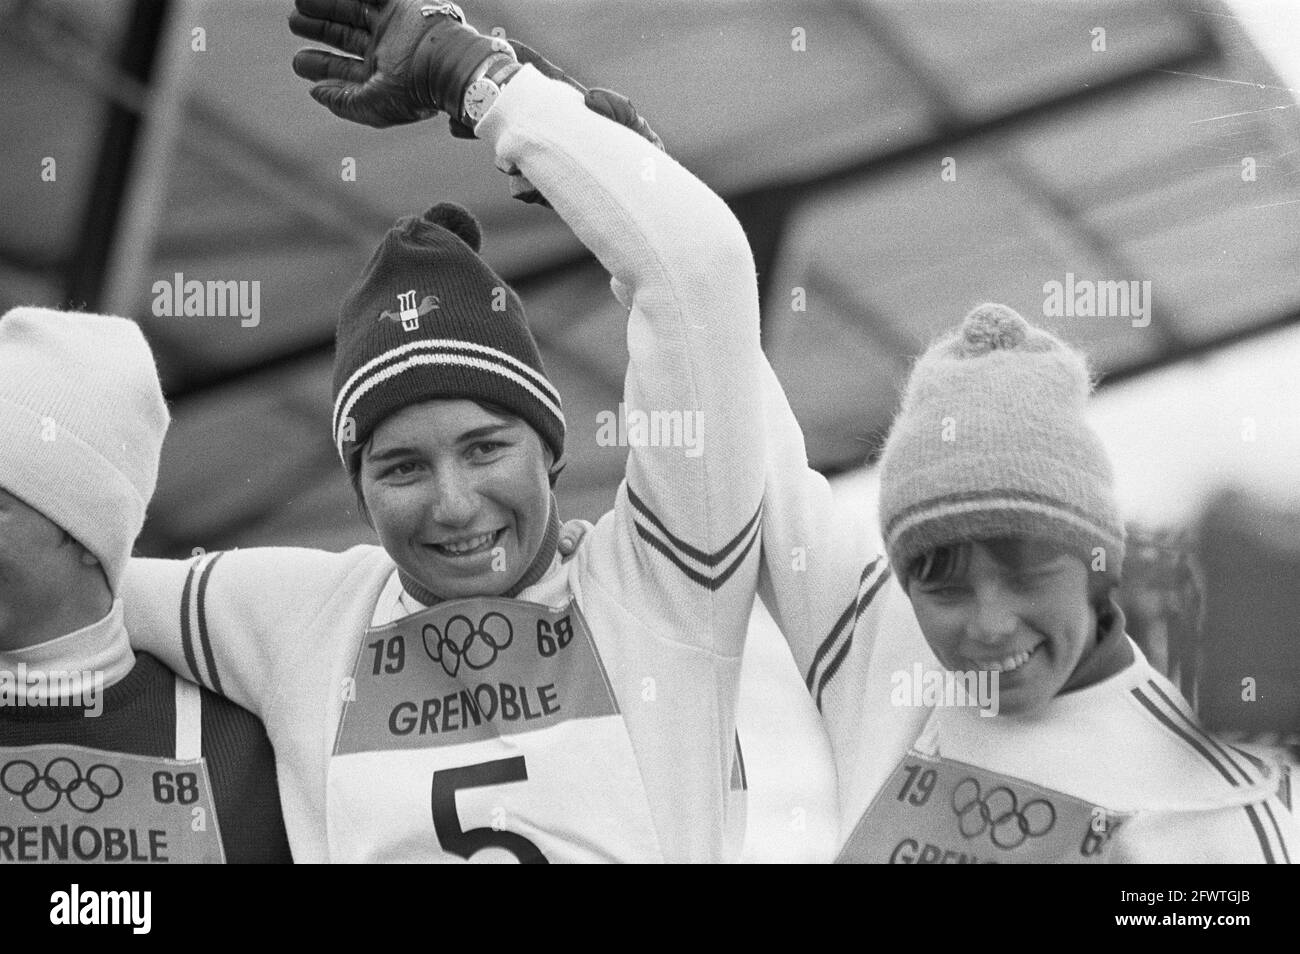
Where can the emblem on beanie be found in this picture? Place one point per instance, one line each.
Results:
(408, 312)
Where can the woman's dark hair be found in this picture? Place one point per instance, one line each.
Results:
(551, 475)
(945, 563)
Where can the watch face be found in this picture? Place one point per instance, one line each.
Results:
(479, 98)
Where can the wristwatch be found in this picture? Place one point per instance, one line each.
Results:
(485, 86)
(444, 10)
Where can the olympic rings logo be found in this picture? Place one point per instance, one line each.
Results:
(464, 642)
(1009, 825)
(41, 791)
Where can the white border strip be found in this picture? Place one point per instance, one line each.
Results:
(432, 359)
(434, 344)
(998, 503)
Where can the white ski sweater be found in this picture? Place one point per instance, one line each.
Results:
(850, 627)
(665, 580)
(1132, 744)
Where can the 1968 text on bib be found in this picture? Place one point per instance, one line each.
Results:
(487, 730)
(939, 811)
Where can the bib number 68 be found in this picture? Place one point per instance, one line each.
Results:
(446, 822)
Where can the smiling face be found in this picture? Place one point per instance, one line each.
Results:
(458, 495)
(1019, 607)
(49, 584)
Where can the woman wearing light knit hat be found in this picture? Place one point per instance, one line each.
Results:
(998, 511)
(88, 728)
(461, 692)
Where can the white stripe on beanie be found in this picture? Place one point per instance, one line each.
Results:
(448, 344)
(1017, 503)
(381, 375)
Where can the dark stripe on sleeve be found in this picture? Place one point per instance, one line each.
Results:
(828, 642)
(735, 565)
(1259, 833)
(1286, 855)
(1258, 763)
(835, 632)
(203, 625)
(863, 602)
(1205, 736)
(692, 574)
(699, 556)
(740, 763)
(833, 668)
(187, 637)
(1194, 743)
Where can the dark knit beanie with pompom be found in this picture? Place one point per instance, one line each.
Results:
(430, 319)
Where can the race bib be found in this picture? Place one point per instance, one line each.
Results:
(66, 803)
(938, 811)
(485, 730)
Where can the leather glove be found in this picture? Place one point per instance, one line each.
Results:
(405, 60)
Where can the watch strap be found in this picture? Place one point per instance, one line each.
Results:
(496, 69)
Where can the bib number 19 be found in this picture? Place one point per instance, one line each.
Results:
(446, 822)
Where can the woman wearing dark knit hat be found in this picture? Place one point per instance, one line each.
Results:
(461, 693)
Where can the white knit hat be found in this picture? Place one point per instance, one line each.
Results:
(82, 421)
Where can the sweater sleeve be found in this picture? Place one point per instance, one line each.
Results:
(847, 620)
(225, 620)
(683, 536)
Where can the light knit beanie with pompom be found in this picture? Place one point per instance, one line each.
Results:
(991, 442)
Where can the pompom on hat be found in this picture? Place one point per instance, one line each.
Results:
(82, 421)
(429, 319)
(991, 441)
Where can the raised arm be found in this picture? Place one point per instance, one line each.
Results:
(229, 620)
(685, 521)
(847, 620)
(686, 516)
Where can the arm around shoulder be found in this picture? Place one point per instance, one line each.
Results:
(224, 619)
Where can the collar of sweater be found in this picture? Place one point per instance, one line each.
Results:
(1106, 744)
(1111, 654)
(536, 570)
(101, 648)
